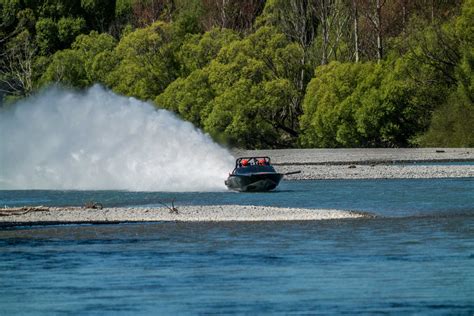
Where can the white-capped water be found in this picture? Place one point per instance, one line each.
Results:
(95, 139)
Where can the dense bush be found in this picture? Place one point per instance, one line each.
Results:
(261, 74)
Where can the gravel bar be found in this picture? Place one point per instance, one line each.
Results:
(344, 156)
(377, 163)
(208, 213)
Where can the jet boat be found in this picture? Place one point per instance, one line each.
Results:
(254, 174)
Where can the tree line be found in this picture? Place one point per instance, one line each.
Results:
(261, 74)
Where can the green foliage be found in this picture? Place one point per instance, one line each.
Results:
(189, 13)
(236, 117)
(297, 19)
(69, 28)
(247, 87)
(366, 104)
(328, 108)
(388, 114)
(198, 50)
(465, 23)
(56, 9)
(93, 48)
(83, 64)
(190, 97)
(47, 35)
(465, 33)
(452, 124)
(94, 43)
(390, 104)
(10, 9)
(146, 62)
(67, 67)
(239, 91)
(26, 20)
(247, 75)
(123, 8)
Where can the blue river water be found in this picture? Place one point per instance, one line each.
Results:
(415, 257)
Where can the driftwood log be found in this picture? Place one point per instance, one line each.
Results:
(15, 211)
(172, 208)
(93, 205)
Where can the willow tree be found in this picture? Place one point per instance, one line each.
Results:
(190, 95)
(245, 96)
(146, 61)
(77, 67)
(365, 105)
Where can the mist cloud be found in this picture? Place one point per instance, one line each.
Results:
(95, 139)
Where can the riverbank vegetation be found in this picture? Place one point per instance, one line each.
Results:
(261, 74)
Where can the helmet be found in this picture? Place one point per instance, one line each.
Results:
(245, 162)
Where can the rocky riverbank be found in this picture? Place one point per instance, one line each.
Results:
(378, 163)
(207, 213)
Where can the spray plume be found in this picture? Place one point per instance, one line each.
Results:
(96, 139)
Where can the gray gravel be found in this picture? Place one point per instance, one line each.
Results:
(379, 163)
(215, 213)
(360, 155)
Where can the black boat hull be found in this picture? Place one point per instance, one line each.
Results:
(253, 182)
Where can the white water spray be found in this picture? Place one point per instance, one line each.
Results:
(96, 139)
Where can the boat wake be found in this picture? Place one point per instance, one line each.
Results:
(95, 139)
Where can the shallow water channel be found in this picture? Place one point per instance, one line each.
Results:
(416, 256)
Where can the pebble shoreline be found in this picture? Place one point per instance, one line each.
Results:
(200, 213)
(377, 163)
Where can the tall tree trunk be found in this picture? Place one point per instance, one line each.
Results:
(432, 10)
(223, 14)
(325, 32)
(404, 13)
(356, 30)
(379, 30)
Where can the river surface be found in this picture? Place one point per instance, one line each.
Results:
(415, 257)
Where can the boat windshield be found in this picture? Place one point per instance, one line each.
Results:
(254, 169)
